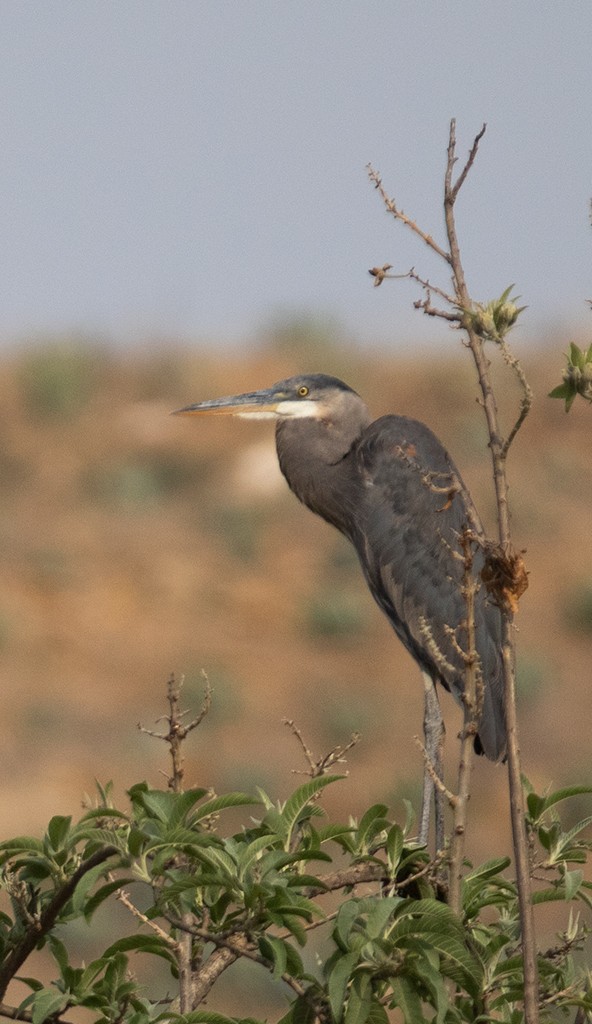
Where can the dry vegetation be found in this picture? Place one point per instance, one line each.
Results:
(135, 544)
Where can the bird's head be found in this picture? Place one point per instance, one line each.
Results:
(309, 396)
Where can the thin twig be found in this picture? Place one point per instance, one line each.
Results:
(527, 395)
(393, 209)
(441, 314)
(427, 636)
(125, 899)
(438, 782)
(429, 287)
(320, 766)
(470, 161)
(177, 731)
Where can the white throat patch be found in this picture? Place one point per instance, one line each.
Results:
(298, 409)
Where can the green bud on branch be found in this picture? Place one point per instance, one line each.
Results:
(493, 320)
(577, 377)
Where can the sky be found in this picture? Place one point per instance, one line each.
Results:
(197, 168)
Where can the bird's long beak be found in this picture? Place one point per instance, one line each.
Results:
(254, 404)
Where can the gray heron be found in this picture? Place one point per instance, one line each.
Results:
(392, 489)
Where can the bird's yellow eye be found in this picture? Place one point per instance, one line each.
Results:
(303, 391)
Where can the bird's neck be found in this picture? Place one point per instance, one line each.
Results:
(316, 458)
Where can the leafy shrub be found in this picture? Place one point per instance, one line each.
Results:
(209, 898)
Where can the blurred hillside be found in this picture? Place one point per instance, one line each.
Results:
(135, 544)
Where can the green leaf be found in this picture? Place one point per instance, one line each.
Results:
(59, 953)
(22, 844)
(338, 982)
(141, 944)
(407, 999)
(550, 799)
(380, 915)
(430, 975)
(572, 881)
(295, 967)
(275, 860)
(57, 830)
(373, 822)
(433, 923)
(409, 817)
(394, 848)
(100, 814)
(347, 915)
(221, 863)
(136, 841)
(101, 895)
(48, 1002)
(565, 391)
(181, 804)
(248, 854)
(569, 401)
(548, 895)
(91, 973)
(274, 949)
(535, 805)
(86, 883)
(565, 839)
(33, 984)
(166, 807)
(332, 833)
(359, 1000)
(293, 808)
(377, 1015)
(219, 803)
(488, 870)
(576, 356)
(300, 1012)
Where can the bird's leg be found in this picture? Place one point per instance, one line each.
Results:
(433, 731)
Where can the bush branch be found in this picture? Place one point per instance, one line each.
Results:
(47, 919)
(398, 214)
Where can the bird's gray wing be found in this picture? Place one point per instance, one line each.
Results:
(413, 511)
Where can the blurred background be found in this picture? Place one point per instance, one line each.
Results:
(185, 213)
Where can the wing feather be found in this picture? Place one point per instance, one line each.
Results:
(414, 509)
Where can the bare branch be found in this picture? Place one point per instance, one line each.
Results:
(427, 636)
(442, 314)
(527, 395)
(177, 731)
(322, 765)
(392, 208)
(438, 782)
(429, 287)
(125, 899)
(499, 449)
(470, 161)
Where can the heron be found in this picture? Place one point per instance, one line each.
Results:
(390, 487)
